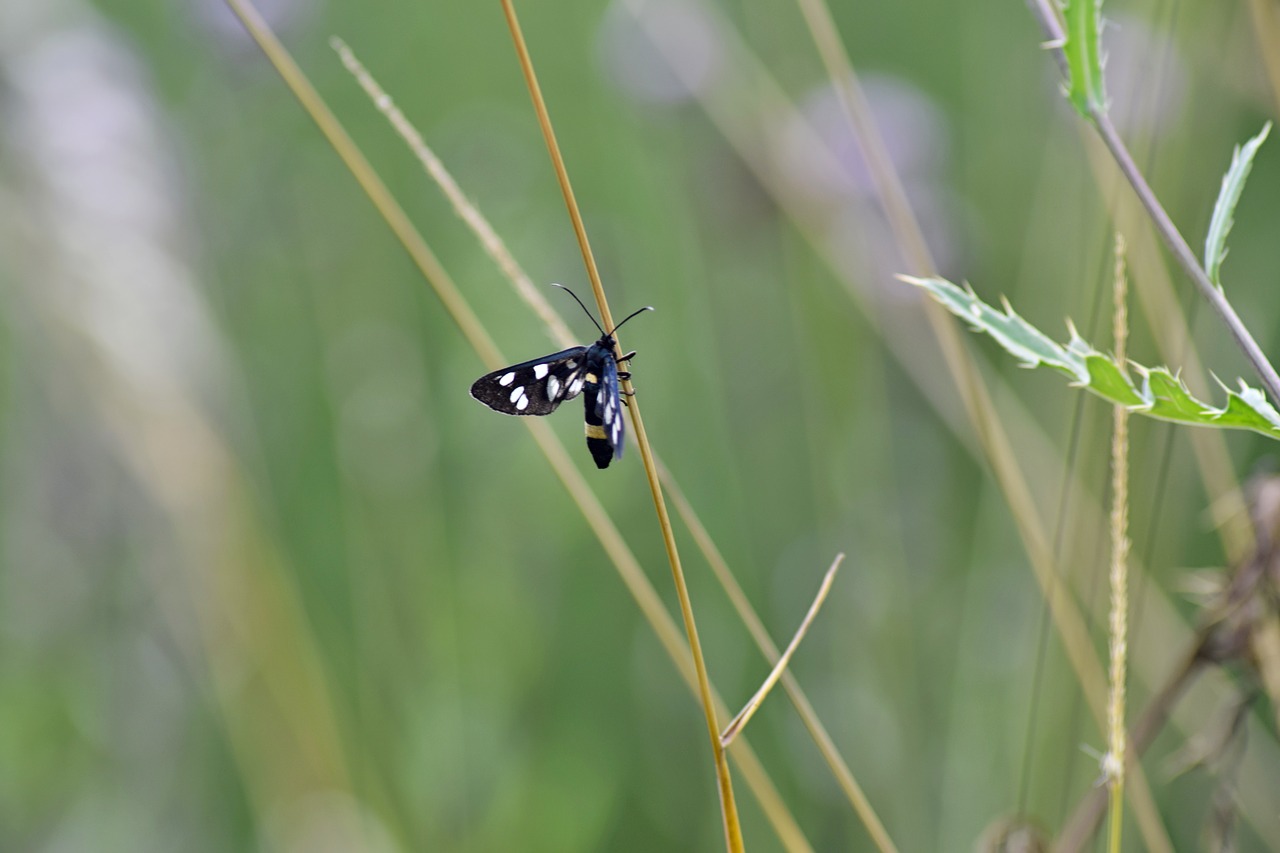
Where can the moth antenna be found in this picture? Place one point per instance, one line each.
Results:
(579, 301)
(629, 316)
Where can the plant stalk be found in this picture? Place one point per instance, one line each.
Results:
(1047, 16)
(728, 805)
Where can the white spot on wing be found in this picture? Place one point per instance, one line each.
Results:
(553, 388)
(608, 414)
(517, 393)
(615, 428)
(571, 364)
(576, 386)
(507, 378)
(523, 403)
(540, 370)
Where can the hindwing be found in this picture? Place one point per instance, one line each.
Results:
(603, 406)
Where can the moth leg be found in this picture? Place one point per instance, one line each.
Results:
(625, 376)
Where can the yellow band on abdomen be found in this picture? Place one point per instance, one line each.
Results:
(595, 431)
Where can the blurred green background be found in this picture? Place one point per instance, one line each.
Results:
(271, 580)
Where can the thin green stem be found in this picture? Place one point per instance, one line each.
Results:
(1173, 239)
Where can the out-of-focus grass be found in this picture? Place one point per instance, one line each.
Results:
(490, 684)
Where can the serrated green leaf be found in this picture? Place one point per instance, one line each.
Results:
(1107, 380)
(1248, 409)
(1160, 395)
(1215, 243)
(1084, 56)
(1027, 343)
(1257, 400)
(1171, 401)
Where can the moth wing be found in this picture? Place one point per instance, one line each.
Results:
(609, 406)
(533, 387)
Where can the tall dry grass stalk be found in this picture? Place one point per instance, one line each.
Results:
(1114, 761)
(497, 249)
(994, 440)
(728, 803)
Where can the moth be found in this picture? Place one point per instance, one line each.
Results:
(539, 386)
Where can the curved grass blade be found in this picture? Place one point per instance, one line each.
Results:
(1160, 393)
(1215, 242)
(739, 722)
(647, 598)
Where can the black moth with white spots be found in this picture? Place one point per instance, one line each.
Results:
(537, 387)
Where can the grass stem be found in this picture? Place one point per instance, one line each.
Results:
(739, 722)
(728, 805)
(1114, 762)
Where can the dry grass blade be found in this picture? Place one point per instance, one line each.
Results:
(1228, 635)
(1240, 607)
(650, 603)
(281, 725)
(1165, 317)
(494, 246)
(628, 567)
(489, 238)
(989, 427)
(219, 597)
(1114, 762)
(497, 249)
(739, 722)
(888, 185)
(994, 440)
(1161, 306)
(1156, 609)
(369, 181)
(821, 737)
(1160, 614)
(728, 805)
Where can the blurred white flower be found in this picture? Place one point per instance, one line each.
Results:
(658, 51)
(912, 128)
(820, 159)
